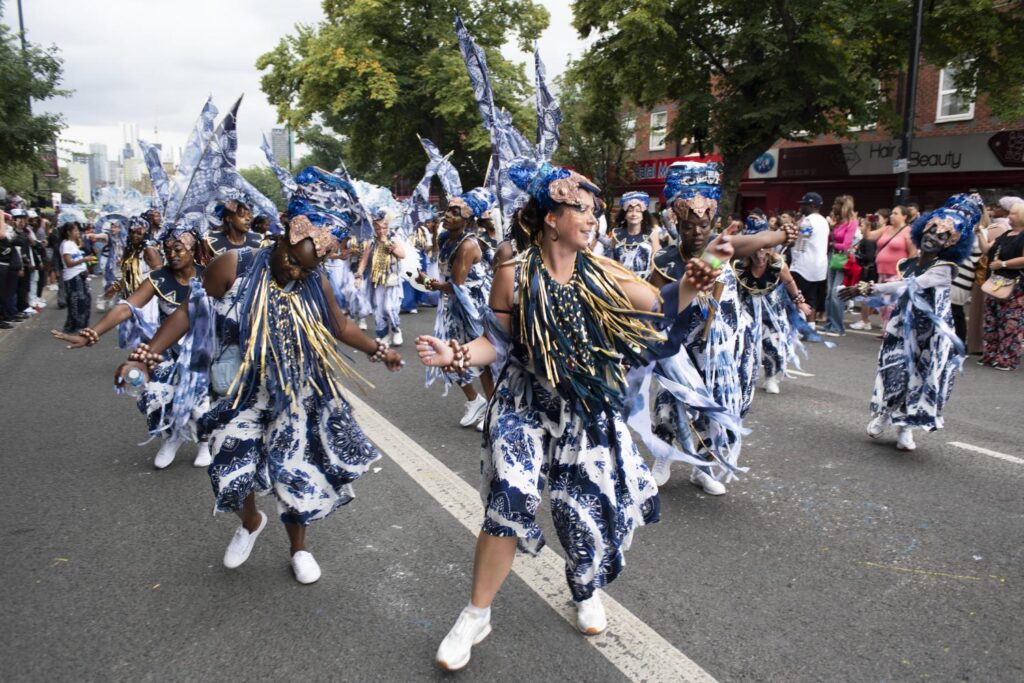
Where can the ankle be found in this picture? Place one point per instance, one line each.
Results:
(479, 612)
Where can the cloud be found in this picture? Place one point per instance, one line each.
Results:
(152, 64)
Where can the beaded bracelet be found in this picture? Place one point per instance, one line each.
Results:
(460, 358)
(91, 338)
(382, 351)
(798, 298)
(143, 355)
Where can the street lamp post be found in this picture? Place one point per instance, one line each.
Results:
(902, 164)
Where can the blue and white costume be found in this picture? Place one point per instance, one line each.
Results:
(384, 287)
(636, 252)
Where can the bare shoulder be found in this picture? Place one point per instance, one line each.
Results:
(220, 274)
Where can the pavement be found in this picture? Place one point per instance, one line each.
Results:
(836, 557)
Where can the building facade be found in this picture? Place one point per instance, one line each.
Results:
(958, 146)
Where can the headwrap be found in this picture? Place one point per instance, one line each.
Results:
(551, 185)
(642, 199)
(475, 203)
(139, 223)
(189, 230)
(962, 212)
(228, 198)
(754, 224)
(325, 200)
(697, 184)
(300, 228)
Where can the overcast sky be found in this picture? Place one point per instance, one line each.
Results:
(152, 64)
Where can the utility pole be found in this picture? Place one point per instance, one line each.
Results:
(902, 164)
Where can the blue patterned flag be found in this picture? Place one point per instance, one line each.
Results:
(446, 171)
(549, 114)
(197, 144)
(284, 177)
(157, 174)
(479, 76)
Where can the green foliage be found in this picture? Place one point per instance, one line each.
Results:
(379, 73)
(264, 180)
(592, 131)
(18, 178)
(35, 73)
(745, 74)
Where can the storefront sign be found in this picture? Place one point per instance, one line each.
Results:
(947, 154)
(653, 171)
(765, 166)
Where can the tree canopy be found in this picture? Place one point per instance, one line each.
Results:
(745, 74)
(379, 73)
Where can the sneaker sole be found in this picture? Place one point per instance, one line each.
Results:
(593, 631)
(462, 664)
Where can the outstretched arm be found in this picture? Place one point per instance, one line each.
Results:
(114, 317)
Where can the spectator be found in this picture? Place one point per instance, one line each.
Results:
(867, 250)
(894, 245)
(843, 221)
(15, 271)
(1004, 313)
(75, 278)
(10, 262)
(810, 253)
(24, 242)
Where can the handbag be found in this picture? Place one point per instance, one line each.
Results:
(224, 369)
(838, 260)
(999, 287)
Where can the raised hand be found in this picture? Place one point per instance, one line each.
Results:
(434, 352)
(75, 341)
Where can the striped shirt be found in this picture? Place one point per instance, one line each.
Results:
(963, 283)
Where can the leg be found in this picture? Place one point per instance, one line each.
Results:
(491, 564)
(960, 322)
(297, 537)
(487, 382)
(249, 513)
(470, 391)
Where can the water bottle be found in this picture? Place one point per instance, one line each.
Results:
(134, 381)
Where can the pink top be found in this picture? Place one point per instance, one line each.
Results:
(891, 251)
(842, 235)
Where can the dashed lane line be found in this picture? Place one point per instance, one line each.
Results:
(633, 647)
(984, 451)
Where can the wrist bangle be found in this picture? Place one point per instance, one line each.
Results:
(711, 260)
(382, 350)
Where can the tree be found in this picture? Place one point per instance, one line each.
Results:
(32, 74)
(379, 73)
(745, 74)
(592, 133)
(264, 180)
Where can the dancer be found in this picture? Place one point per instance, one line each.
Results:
(714, 341)
(768, 292)
(921, 354)
(166, 288)
(634, 240)
(466, 288)
(383, 287)
(234, 217)
(283, 425)
(566, 325)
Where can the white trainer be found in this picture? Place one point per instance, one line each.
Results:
(590, 617)
(771, 385)
(860, 325)
(165, 456)
(396, 338)
(470, 629)
(305, 568)
(480, 424)
(905, 440)
(878, 425)
(662, 471)
(474, 411)
(711, 486)
(362, 324)
(203, 456)
(241, 544)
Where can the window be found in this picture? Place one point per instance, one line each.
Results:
(629, 130)
(659, 128)
(952, 106)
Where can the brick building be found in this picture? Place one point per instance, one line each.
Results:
(958, 146)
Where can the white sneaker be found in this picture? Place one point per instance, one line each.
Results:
(480, 424)
(878, 425)
(662, 471)
(362, 324)
(905, 440)
(413, 311)
(305, 568)
(165, 456)
(396, 338)
(590, 617)
(203, 456)
(241, 544)
(30, 311)
(469, 630)
(474, 411)
(711, 486)
(860, 325)
(771, 385)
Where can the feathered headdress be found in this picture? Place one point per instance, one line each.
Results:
(551, 185)
(962, 212)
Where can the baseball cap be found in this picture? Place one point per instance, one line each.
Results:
(812, 198)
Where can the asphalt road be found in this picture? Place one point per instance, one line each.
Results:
(835, 558)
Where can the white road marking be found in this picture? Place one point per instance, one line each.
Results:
(800, 374)
(984, 451)
(632, 646)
